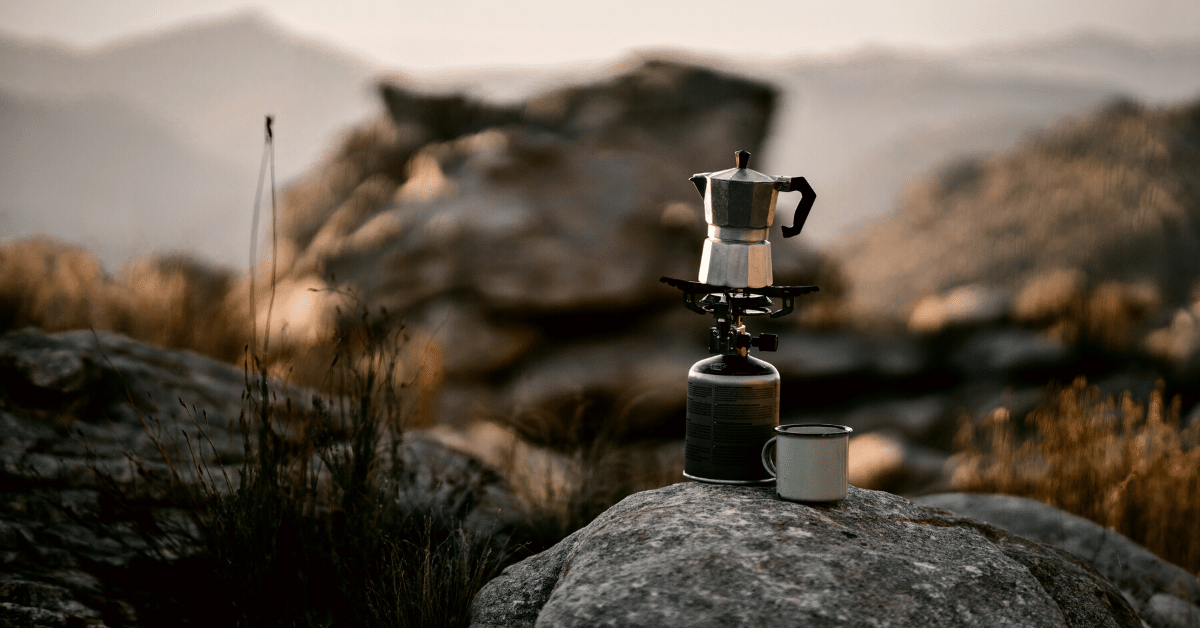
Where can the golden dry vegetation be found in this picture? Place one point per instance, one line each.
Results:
(170, 301)
(1129, 466)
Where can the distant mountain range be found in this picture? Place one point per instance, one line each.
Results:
(154, 143)
(1162, 73)
(860, 126)
(212, 82)
(97, 172)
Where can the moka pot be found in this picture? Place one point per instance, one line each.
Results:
(739, 206)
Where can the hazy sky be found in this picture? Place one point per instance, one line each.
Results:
(430, 34)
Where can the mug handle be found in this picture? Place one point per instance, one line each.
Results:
(766, 457)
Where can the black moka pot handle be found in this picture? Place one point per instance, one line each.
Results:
(807, 198)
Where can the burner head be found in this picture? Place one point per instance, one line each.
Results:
(746, 301)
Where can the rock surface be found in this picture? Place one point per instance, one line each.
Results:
(1166, 596)
(705, 555)
(67, 557)
(103, 386)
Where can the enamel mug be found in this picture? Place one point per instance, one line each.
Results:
(811, 461)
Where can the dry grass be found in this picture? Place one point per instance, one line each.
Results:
(314, 534)
(1125, 465)
(1108, 316)
(310, 531)
(172, 301)
(178, 302)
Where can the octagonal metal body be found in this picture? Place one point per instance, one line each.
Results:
(739, 206)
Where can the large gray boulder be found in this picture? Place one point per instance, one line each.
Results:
(73, 397)
(72, 407)
(704, 555)
(1165, 596)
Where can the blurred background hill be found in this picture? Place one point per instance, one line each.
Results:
(1111, 194)
(154, 142)
(201, 79)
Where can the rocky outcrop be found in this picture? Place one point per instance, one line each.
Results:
(110, 393)
(81, 412)
(524, 242)
(1165, 595)
(706, 555)
(76, 410)
(555, 207)
(1111, 196)
(28, 604)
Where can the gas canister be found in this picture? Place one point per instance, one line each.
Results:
(732, 409)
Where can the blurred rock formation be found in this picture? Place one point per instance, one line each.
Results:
(521, 246)
(523, 243)
(1110, 197)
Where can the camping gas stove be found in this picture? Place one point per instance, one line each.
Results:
(733, 397)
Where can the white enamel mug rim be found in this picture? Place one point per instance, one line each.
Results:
(822, 431)
(835, 430)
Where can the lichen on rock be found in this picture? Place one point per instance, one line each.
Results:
(705, 555)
